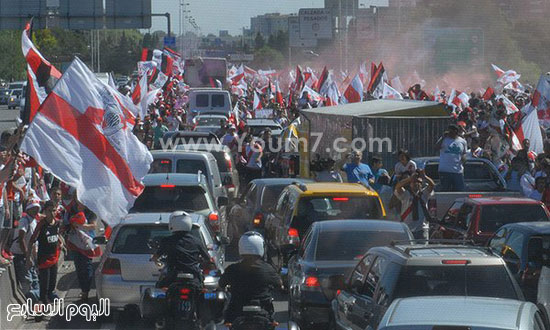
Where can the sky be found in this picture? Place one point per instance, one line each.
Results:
(214, 15)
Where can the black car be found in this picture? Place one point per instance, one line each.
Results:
(329, 248)
(522, 245)
(257, 200)
(415, 270)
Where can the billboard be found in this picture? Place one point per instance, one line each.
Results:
(128, 14)
(75, 14)
(315, 23)
(294, 34)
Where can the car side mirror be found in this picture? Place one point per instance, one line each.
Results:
(336, 282)
(223, 201)
(100, 240)
(224, 240)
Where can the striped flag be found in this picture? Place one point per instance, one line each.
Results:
(41, 74)
(83, 136)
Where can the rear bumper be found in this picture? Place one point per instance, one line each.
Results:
(119, 292)
(312, 308)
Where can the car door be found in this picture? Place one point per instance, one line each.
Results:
(274, 222)
(347, 313)
(512, 252)
(366, 312)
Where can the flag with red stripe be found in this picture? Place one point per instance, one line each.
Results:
(41, 74)
(354, 92)
(83, 136)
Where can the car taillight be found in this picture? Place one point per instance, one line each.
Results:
(230, 185)
(164, 186)
(213, 216)
(475, 195)
(312, 282)
(455, 262)
(340, 199)
(293, 232)
(228, 163)
(184, 297)
(185, 291)
(258, 219)
(111, 267)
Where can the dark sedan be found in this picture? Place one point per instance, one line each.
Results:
(331, 248)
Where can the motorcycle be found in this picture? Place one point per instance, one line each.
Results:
(254, 317)
(176, 306)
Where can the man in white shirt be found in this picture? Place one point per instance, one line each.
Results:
(413, 192)
(27, 278)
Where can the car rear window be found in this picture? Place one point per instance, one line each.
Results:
(169, 199)
(350, 245)
(341, 207)
(455, 280)
(495, 216)
(191, 166)
(134, 239)
(202, 100)
(473, 171)
(161, 166)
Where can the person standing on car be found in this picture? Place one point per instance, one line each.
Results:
(413, 193)
(251, 279)
(356, 171)
(452, 155)
(50, 243)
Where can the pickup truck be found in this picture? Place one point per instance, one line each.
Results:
(477, 219)
(481, 177)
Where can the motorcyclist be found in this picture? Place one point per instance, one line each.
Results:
(182, 250)
(251, 279)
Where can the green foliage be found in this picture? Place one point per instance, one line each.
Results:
(259, 41)
(267, 57)
(12, 62)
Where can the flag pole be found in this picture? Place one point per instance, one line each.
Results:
(26, 113)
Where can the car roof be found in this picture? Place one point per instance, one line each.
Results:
(532, 228)
(211, 115)
(189, 134)
(359, 225)
(261, 121)
(178, 153)
(459, 311)
(178, 179)
(502, 200)
(202, 147)
(156, 218)
(433, 254)
(278, 181)
(321, 188)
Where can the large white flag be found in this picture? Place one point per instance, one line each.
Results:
(82, 134)
(391, 93)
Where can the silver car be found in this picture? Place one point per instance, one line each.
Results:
(125, 269)
(14, 99)
(456, 312)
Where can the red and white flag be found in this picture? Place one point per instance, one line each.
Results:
(333, 94)
(140, 92)
(510, 106)
(239, 74)
(278, 93)
(313, 95)
(541, 100)
(530, 129)
(82, 134)
(391, 93)
(505, 77)
(257, 102)
(41, 74)
(354, 92)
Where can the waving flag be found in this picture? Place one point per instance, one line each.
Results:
(391, 93)
(257, 102)
(530, 129)
(376, 85)
(333, 94)
(278, 93)
(313, 95)
(322, 79)
(489, 94)
(83, 136)
(165, 62)
(139, 94)
(509, 105)
(354, 92)
(41, 74)
(238, 76)
(541, 100)
(505, 77)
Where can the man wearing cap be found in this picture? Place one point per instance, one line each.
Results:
(27, 278)
(452, 155)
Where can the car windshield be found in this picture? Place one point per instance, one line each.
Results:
(495, 216)
(209, 121)
(350, 245)
(134, 239)
(332, 208)
(16, 93)
(171, 198)
(257, 130)
(455, 280)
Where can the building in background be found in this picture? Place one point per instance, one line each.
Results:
(269, 24)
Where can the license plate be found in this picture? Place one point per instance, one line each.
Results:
(210, 295)
(185, 306)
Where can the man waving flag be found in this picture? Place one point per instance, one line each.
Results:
(82, 134)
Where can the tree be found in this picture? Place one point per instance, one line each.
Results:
(12, 62)
(259, 41)
(268, 57)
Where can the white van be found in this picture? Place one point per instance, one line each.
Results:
(212, 101)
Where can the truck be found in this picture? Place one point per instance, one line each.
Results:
(481, 179)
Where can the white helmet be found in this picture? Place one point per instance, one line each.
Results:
(180, 221)
(251, 243)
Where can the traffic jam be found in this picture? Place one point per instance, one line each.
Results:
(202, 192)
